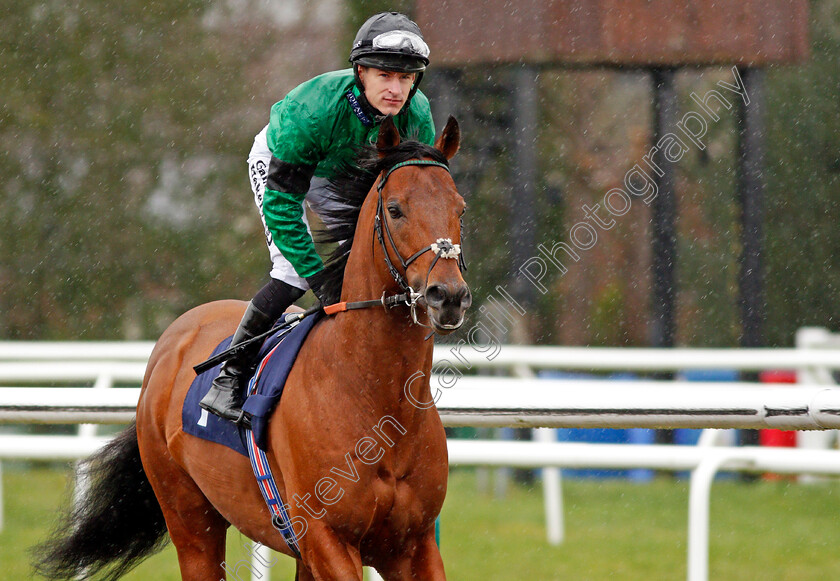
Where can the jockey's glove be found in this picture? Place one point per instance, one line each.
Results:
(316, 281)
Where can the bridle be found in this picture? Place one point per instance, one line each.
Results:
(442, 247)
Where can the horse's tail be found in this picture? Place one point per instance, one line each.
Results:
(114, 525)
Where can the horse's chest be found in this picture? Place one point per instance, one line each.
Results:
(410, 492)
(402, 507)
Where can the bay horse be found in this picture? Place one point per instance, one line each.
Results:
(353, 453)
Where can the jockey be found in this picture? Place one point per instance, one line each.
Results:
(309, 134)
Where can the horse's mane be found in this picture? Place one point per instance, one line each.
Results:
(347, 191)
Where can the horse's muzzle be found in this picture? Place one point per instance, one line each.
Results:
(446, 304)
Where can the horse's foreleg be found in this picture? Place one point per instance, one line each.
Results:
(423, 563)
(327, 558)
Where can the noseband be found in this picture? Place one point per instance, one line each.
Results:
(442, 247)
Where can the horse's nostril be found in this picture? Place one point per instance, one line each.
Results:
(435, 295)
(440, 296)
(466, 298)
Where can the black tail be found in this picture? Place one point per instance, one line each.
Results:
(114, 526)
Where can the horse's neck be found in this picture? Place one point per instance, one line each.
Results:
(385, 341)
(386, 363)
(386, 333)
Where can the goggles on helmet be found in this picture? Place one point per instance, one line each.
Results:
(401, 40)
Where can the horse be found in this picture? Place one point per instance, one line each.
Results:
(356, 445)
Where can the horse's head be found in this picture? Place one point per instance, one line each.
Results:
(419, 223)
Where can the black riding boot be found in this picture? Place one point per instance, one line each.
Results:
(226, 394)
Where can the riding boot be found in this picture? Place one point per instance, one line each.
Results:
(226, 395)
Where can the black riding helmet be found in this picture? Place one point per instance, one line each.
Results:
(392, 42)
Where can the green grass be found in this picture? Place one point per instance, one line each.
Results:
(614, 530)
(621, 530)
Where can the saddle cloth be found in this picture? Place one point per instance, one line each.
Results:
(277, 356)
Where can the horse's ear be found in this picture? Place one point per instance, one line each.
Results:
(450, 139)
(388, 135)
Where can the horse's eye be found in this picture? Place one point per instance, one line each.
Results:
(395, 212)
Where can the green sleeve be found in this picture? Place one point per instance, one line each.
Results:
(294, 141)
(427, 130)
(422, 114)
(284, 217)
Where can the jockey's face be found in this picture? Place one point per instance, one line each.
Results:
(386, 90)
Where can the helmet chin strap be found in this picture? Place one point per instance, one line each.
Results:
(413, 90)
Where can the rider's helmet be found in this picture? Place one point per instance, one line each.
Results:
(392, 42)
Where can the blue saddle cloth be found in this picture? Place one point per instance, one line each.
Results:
(277, 354)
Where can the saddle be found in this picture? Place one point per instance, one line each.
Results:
(277, 355)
